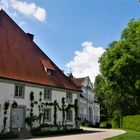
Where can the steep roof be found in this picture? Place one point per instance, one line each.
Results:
(78, 81)
(21, 59)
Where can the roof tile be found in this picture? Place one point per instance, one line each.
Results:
(21, 59)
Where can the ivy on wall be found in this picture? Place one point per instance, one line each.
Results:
(63, 110)
(55, 112)
(6, 106)
(32, 118)
(41, 108)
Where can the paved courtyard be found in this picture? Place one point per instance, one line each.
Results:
(89, 134)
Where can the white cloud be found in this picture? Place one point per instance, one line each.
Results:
(4, 4)
(28, 9)
(85, 62)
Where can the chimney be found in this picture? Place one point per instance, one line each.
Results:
(71, 76)
(31, 36)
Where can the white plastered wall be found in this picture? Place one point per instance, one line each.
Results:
(7, 91)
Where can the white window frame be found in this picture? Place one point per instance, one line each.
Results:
(69, 115)
(47, 115)
(47, 94)
(19, 91)
(69, 97)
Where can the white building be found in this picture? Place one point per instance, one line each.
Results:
(89, 107)
(32, 87)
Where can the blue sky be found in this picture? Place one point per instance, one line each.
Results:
(69, 30)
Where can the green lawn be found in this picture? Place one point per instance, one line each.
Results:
(129, 135)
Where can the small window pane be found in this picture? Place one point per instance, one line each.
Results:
(69, 97)
(69, 115)
(47, 94)
(19, 91)
(47, 115)
(49, 72)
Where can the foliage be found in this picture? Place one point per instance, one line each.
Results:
(106, 124)
(76, 112)
(32, 104)
(63, 110)
(32, 118)
(120, 73)
(131, 122)
(36, 132)
(55, 112)
(99, 90)
(6, 106)
(117, 119)
(129, 135)
(41, 107)
(8, 135)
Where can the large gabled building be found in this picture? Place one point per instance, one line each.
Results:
(30, 83)
(89, 107)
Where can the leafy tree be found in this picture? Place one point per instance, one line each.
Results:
(120, 69)
(100, 94)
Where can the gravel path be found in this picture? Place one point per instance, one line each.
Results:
(89, 134)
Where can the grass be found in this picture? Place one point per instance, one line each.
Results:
(129, 135)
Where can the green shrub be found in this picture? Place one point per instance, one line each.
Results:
(35, 132)
(131, 122)
(8, 135)
(106, 124)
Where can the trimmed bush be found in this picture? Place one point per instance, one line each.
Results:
(131, 122)
(35, 132)
(8, 135)
(106, 124)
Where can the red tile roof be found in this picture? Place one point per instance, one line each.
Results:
(21, 59)
(78, 81)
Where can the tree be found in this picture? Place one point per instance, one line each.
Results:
(120, 68)
(100, 94)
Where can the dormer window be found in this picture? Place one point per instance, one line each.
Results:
(48, 71)
(47, 67)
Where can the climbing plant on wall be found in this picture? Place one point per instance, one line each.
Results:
(42, 106)
(6, 106)
(32, 118)
(55, 113)
(63, 110)
(76, 112)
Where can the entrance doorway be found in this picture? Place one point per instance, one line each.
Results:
(18, 117)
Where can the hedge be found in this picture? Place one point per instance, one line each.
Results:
(35, 132)
(131, 122)
(8, 135)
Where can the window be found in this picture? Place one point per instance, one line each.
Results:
(49, 72)
(47, 94)
(69, 116)
(48, 66)
(19, 91)
(47, 115)
(69, 97)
